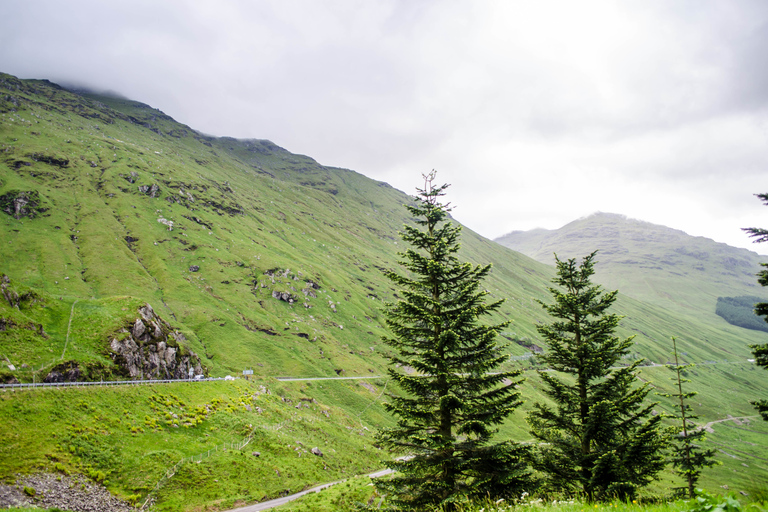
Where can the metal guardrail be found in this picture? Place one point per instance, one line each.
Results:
(103, 383)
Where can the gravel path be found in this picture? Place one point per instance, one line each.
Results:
(75, 493)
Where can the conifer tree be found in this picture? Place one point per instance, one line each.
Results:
(761, 309)
(450, 406)
(599, 440)
(688, 457)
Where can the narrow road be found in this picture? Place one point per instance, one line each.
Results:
(266, 505)
(293, 379)
(730, 418)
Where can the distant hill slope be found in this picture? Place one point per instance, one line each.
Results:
(649, 262)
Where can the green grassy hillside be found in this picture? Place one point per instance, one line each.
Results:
(251, 257)
(649, 262)
(254, 218)
(657, 265)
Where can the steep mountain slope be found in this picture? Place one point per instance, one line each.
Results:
(257, 257)
(653, 263)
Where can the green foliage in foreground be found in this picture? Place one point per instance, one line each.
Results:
(358, 494)
(704, 502)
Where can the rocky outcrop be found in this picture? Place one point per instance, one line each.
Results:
(62, 492)
(65, 372)
(50, 159)
(80, 371)
(166, 222)
(149, 348)
(285, 296)
(10, 295)
(19, 204)
(16, 301)
(150, 190)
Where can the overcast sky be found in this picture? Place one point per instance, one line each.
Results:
(537, 112)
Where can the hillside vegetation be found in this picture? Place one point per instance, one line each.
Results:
(741, 311)
(124, 235)
(649, 262)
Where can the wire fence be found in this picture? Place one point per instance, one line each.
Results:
(103, 383)
(202, 456)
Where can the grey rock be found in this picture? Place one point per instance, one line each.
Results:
(65, 372)
(138, 329)
(284, 296)
(153, 353)
(61, 491)
(194, 268)
(151, 191)
(10, 295)
(20, 204)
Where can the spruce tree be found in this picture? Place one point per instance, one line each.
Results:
(688, 457)
(451, 404)
(761, 309)
(599, 440)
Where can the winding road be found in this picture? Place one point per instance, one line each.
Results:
(266, 505)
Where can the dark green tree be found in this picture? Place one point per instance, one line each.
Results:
(451, 404)
(688, 457)
(599, 440)
(761, 309)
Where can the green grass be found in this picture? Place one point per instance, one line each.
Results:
(345, 496)
(128, 437)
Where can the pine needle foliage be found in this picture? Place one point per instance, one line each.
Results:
(600, 440)
(760, 351)
(453, 399)
(688, 457)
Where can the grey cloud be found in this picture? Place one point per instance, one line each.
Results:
(538, 112)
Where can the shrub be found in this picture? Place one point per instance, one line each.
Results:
(706, 502)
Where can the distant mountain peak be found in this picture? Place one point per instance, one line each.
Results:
(646, 260)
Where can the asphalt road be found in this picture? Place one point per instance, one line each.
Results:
(266, 505)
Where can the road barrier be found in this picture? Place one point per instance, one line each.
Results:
(102, 383)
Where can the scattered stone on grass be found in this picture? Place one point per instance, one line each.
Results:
(76, 493)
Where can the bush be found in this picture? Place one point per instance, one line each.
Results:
(706, 502)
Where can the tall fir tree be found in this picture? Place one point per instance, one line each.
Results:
(689, 458)
(761, 309)
(450, 406)
(599, 440)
